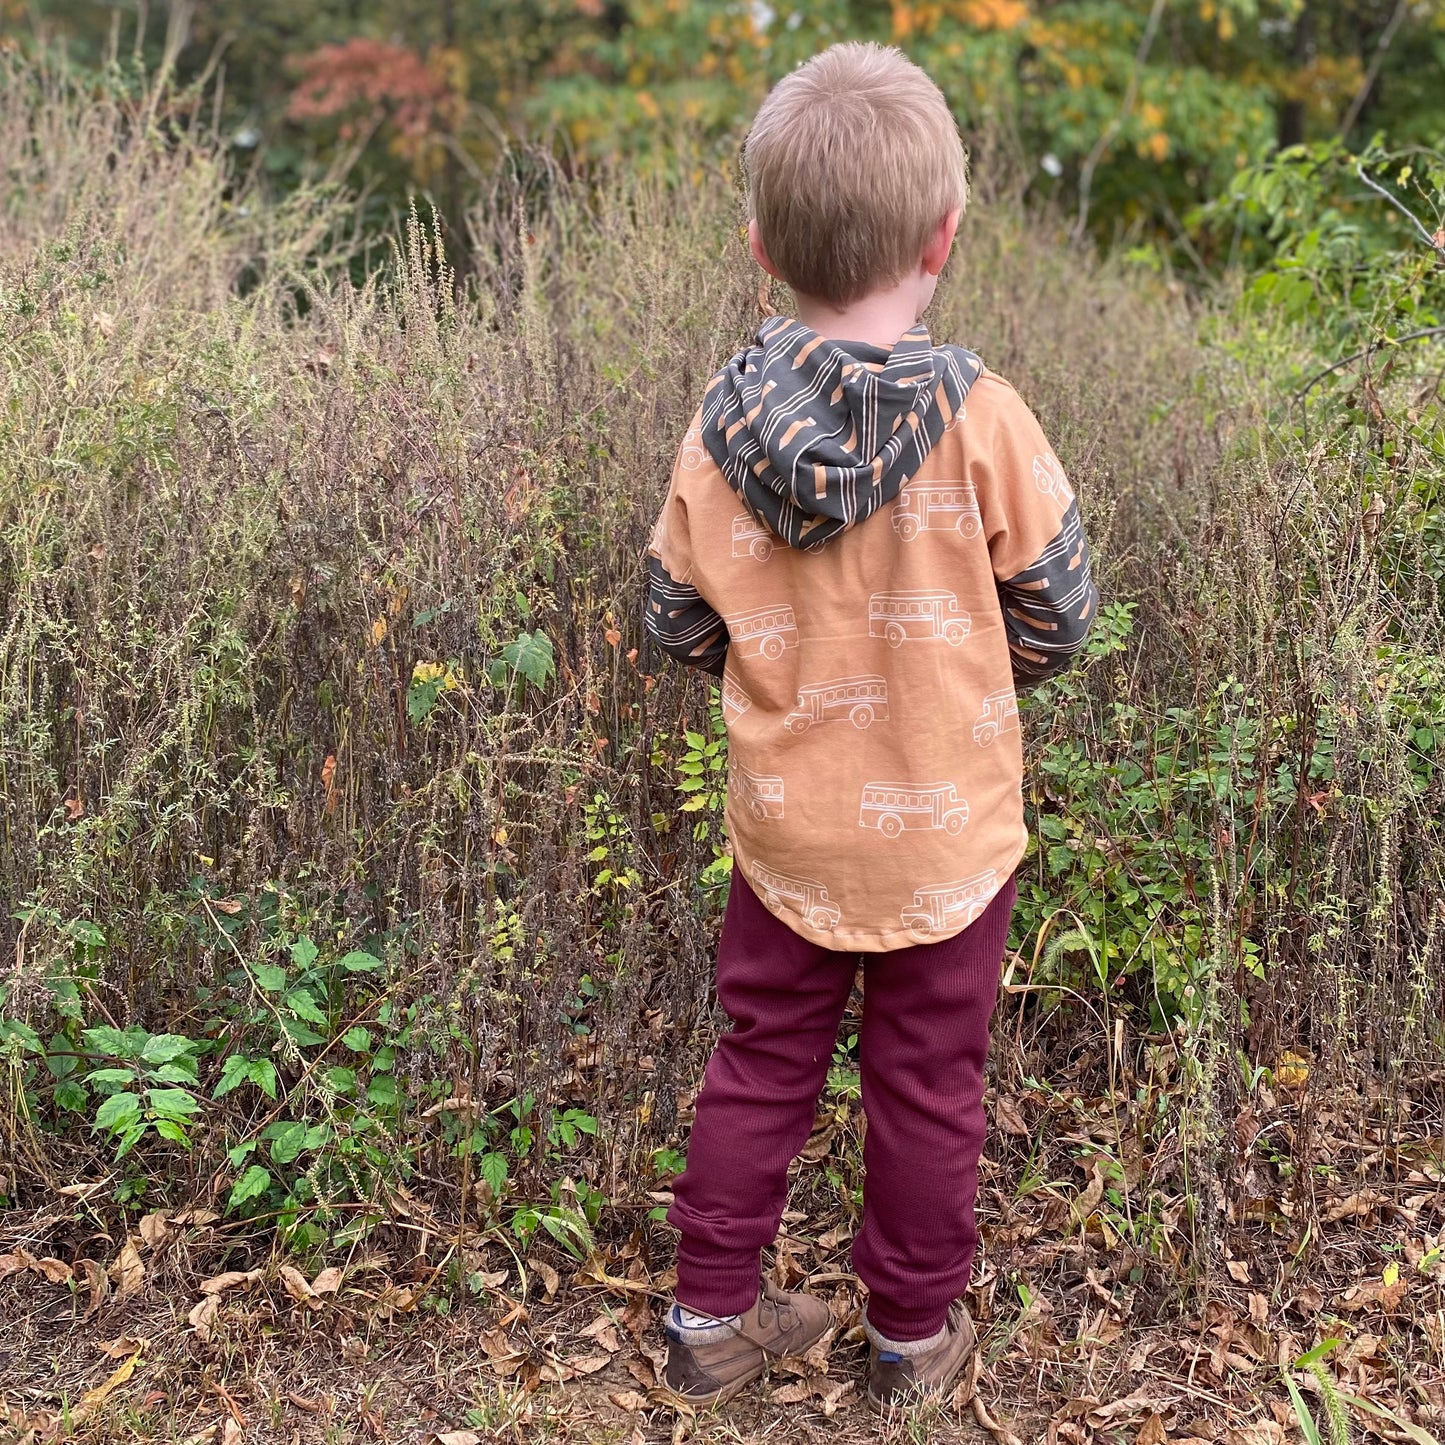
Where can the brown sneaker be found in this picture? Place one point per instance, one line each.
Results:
(778, 1324)
(897, 1379)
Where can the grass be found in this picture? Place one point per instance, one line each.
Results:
(330, 744)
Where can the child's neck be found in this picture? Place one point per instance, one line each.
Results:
(879, 318)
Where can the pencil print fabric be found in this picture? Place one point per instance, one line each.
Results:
(868, 678)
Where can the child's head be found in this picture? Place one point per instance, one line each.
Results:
(854, 165)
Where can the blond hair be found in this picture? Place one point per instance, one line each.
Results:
(851, 163)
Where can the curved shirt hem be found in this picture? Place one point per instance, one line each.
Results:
(853, 940)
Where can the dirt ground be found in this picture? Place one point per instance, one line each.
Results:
(182, 1327)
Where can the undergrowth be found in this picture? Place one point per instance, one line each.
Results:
(355, 843)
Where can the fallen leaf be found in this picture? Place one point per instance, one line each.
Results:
(128, 1271)
(548, 1276)
(604, 1332)
(458, 1437)
(55, 1270)
(1238, 1270)
(153, 1227)
(1009, 1117)
(98, 1282)
(296, 1285)
(589, 1364)
(13, 1263)
(119, 1376)
(230, 1431)
(378, 631)
(1152, 1432)
(219, 1284)
(1087, 1200)
(328, 1281)
(1292, 1071)
(1261, 1432)
(203, 1315)
(195, 1217)
(628, 1400)
(1355, 1206)
(121, 1346)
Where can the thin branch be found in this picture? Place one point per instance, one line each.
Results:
(1370, 350)
(1404, 210)
(1111, 131)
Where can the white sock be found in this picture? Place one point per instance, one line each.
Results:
(696, 1329)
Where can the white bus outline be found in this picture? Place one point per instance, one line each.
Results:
(933, 909)
(920, 502)
(918, 616)
(735, 702)
(890, 806)
(751, 538)
(811, 896)
(1000, 715)
(760, 793)
(1050, 479)
(764, 632)
(860, 700)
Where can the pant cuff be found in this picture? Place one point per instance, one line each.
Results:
(880, 1324)
(709, 1283)
(906, 1348)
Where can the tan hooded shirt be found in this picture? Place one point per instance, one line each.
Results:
(870, 547)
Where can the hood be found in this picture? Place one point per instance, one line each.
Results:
(815, 435)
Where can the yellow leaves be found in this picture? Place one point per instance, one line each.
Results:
(118, 1376)
(1292, 1071)
(378, 632)
(647, 105)
(994, 14)
(428, 672)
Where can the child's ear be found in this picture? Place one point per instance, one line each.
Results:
(940, 243)
(760, 252)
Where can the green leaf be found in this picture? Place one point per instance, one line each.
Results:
(163, 1048)
(72, 1096)
(357, 1039)
(359, 961)
(234, 1072)
(102, 1039)
(255, 1181)
(300, 1034)
(301, 1003)
(173, 1103)
(530, 655)
(271, 977)
(381, 1091)
(182, 1072)
(117, 1112)
(110, 1078)
(288, 1142)
(263, 1075)
(343, 1081)
(493, 1168)
(13, 1031)
(303, 953)
(169, 1129)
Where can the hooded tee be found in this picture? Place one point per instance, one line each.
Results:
(872, 548)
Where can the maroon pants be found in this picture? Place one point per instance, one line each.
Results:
(924, 1041)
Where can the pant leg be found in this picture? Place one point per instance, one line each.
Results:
(924, 1044)
(759, 1098)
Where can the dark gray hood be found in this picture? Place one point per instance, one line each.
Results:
(815, 435)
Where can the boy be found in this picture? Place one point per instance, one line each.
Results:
(868, 666)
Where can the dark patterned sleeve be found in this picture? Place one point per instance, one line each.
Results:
(1048, 607)
(681, 622)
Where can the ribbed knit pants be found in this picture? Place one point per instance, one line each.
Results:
(923, 1045)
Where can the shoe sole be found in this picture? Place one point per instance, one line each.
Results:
(736, 1387)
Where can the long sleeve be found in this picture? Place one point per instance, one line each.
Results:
(1037, 545)
(676, 615)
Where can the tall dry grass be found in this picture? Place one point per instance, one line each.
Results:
(242, 496)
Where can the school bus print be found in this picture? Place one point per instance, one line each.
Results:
(751, 538)
(950, 905)
(937, 507)
(767, 632)
(735, 702)
(861, 701)
(917, 617)
(808, 897)
(760, 793)
(894, 807)
(999, 714)
(1049, 478)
